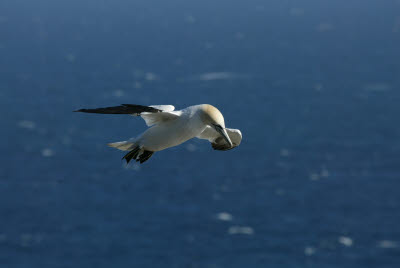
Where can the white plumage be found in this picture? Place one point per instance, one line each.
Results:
(168, 128)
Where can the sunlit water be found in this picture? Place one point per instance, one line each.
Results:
(313, 85)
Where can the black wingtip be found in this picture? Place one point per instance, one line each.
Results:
(143, 108)
(122, 109)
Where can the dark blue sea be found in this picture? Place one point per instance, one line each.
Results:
(314, 86)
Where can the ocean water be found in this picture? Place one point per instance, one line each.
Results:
(313, 86)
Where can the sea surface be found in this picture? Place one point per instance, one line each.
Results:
(313, 86)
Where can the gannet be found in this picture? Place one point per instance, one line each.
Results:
(169, 128)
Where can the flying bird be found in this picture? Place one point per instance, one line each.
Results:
(169, 128)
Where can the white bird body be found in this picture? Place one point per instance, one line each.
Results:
(169, 128)
(170, 133)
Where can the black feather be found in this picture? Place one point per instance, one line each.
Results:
(145, 156)
(132, 154)
(122, 109)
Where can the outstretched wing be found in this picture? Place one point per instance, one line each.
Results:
(132, 109)
(163, 108)
(167, 114)
(152, 115)
(218, 142)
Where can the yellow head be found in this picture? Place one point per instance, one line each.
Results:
(212, 116)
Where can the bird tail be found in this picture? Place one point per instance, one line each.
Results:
(136, 152)
(123, 145)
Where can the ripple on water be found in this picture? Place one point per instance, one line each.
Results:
(27, 124)
(47, 152)
(308, 251)
(224, 216)
(345, 241)
(387, 244)
(246, 230)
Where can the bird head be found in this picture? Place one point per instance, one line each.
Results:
(212, 116)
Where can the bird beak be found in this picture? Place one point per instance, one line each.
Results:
(224, 134)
